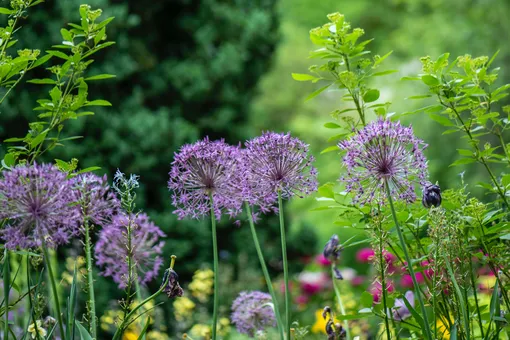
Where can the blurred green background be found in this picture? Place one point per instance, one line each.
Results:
(186, 69)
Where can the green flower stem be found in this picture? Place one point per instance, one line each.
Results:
(53, 284)
(385, 298)
(215, 267)
(265, 271)
(90, 282)
(139, 298)
(7, 283)
(285, 265)
(473, 284)
(125, 321)
(340, 303)
(409, 264)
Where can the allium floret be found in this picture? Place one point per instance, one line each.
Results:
(384, 151)
(277, 162)
(203, 170)
(252, 311)
(37, 203)
(112, 249)
(96, 201)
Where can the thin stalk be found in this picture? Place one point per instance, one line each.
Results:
(215, 267)
(139, 298)
(90, 281)
(409, 263)
(7, 289)
(53, 283)
(118, 332)
(463, 308)
(385, 297)
(473, 283)
(340, 303)
(265, 271)
(285, 265)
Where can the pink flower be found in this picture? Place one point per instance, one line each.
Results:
(313, 282)
(376, 290)
(365, 255)
(428, 271)
(323, 261)
(302, 300)
(407, 280)
(357, 281)
(389, 257)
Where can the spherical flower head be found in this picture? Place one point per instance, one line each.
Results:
(37, 203)
(276, 162)
(112, 249)
(383, 152)
(97, 203)
(252, 311)
(201, 170)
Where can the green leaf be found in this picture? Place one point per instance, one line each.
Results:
(41, 60)
(303, 77)
(42, 81)
(144, 330)
(420, 96)
(371, 96)
(84, 334)
(316, 93)
(463, 161)
(329, 149)
(101, 76)
(9, 160)
(55, 94)
(332, 126)
(98, 102)
(4, 10)
(383, 73)
(366, 300)
(58, 54)
(38, 139)
(89, 169)
(354, 316)
(430, 80)
(441, 119)
(326, 190)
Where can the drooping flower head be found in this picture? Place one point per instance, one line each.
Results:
(431, 195)
(36, 200)
(95, 200)
(112, 249)
(201, 170)
(277, 162)
(384, 151)
(252, 312)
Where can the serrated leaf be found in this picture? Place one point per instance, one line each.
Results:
(430, 80)
(98, 102)
(371, 96)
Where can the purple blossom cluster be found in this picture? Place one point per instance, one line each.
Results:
(384, 152)
(231, 175)
(36, 202)
(252, 312)
(112, 249)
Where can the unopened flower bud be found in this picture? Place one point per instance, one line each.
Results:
(431, 196)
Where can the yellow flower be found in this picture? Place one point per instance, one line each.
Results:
(320, 324)
(183, 308)
(40, 330)
(130, 335)
(201, 286)
(442, 329)
(201, 330)
(223, 326)
(156, 335)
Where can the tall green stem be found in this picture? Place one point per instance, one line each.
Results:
(215, 267)
(265, 271)
(409, 263)
(285, 266)
(90, 282)
(7, 289)
(139, 298)
(53, 284)
(340, 303)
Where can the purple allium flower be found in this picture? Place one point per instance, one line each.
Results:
(384, 151)
(36, 202)
(96, 201)
(400, 310)
(203, 169)
(253, 311)
(277, 162)
(112, 249)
